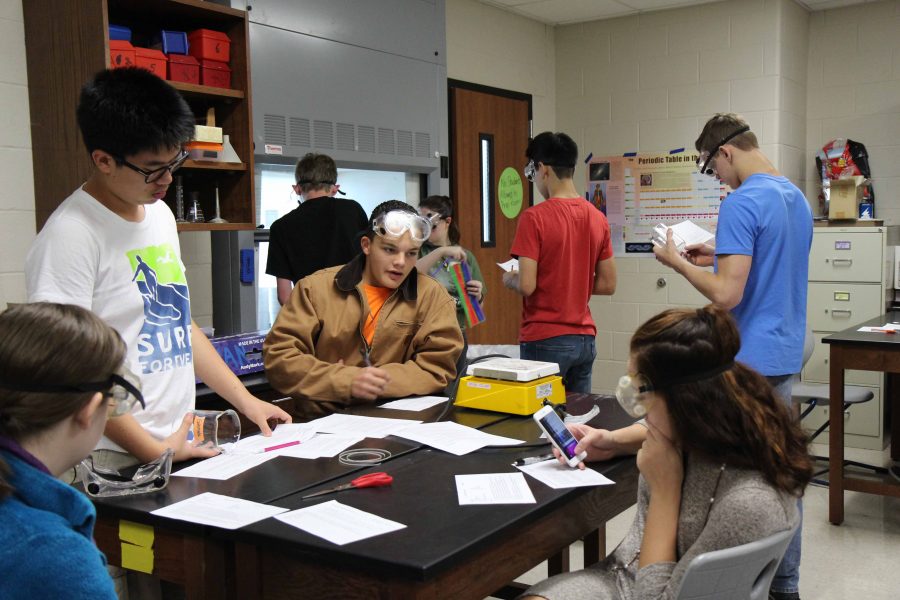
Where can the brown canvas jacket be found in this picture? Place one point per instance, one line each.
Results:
(417, 339)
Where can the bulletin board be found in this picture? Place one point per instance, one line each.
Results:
(636, 192)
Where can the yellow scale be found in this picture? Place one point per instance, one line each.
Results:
(516, 397)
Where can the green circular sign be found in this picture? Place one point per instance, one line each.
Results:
(509, 192)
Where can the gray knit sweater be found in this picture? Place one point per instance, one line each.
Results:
(746, 508)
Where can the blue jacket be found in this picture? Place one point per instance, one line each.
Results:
(46, 544)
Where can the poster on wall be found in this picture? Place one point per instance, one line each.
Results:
(637, 192)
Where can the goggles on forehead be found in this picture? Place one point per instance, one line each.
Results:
(151, 477)
(122, 388)
(395, 222)
(707, 156)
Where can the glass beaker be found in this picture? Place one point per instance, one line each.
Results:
(215, 427)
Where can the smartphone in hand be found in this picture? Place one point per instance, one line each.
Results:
(559, 436)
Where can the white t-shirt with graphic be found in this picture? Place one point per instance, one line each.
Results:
(131, 275)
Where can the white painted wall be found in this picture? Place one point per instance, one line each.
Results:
(854, 91)
(16, 177)
(648, 83)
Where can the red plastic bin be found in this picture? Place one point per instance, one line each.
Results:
(215, 73)
(183, 68)
(209, 44)
(152, 60)
(121, 54)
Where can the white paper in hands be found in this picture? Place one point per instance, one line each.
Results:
(510, 265)
(683, 234)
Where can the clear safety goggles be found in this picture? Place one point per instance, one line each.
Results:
(629, 392)
(101, 482)
(707, 156)
(530, 171)
(395, 223)
(122, 388)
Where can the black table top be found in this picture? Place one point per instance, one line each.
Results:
(852, 334)
(439, 532)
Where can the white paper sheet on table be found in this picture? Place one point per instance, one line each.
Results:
(282, 434)
(415, 404)
(493, 488)
(510, 265)
(339, 523)
(219, 511)
(321, 446)
(558, 476)
(372, 427)
(224, 466)
(453, 437)
(881, 328)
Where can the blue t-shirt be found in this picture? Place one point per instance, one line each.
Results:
(768, 219)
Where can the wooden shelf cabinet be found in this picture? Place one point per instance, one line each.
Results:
(68, 42)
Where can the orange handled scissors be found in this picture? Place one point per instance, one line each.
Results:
(371, 480)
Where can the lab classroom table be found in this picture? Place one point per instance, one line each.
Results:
(446, 550)
(866, 351)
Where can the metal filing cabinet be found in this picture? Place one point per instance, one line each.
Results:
(850, 280)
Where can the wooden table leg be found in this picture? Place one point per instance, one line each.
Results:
(836, 437)
(558, 563)
(595, 546)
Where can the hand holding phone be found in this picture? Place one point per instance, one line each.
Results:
(561, 438)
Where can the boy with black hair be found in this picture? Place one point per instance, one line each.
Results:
(371, 329)
(112, 247)
(565, 255)
(321, 232)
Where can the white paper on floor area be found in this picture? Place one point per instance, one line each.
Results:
(558, 476)
(224, 466)
(219, 511)
(493, 488)
(453, 438)
(415, 404)
(338, 523)
(372, 427)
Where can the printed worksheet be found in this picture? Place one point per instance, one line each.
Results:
(453, 438)
(558, 476)
(493, 488)
(219, 511)
(338, 523)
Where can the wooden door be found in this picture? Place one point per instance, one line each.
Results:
(489, 131)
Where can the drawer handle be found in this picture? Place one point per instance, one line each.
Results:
(842, 311)
(842, 262)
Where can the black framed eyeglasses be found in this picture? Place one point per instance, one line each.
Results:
(706, 157)
(156, 174)
(122, 388)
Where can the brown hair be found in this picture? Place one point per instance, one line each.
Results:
(732, 417)
(315, 172)
(444, 206)
(53, 344)
(720, 127)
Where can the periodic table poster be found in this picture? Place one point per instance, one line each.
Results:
(638, 192)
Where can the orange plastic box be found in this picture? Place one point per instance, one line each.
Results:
(209, 44)
(184, 68)
(121, 54)
(152, 60)
(215, 73)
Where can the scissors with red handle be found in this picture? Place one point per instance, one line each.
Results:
(371, 480)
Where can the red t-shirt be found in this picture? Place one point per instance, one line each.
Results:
(567, 237)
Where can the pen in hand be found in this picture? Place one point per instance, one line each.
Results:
(530, 460)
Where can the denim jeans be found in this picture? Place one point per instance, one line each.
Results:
(787, 577)
(574, 354)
